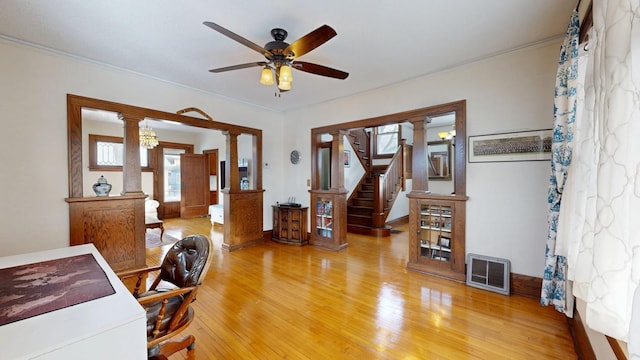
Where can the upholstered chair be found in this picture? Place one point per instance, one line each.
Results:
(168, 299)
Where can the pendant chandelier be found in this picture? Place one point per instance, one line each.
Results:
(148, 137)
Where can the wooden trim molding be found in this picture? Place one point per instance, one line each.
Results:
(617, 349)
(524, 285)
(580, 337)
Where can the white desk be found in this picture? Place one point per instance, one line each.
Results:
(111, 327)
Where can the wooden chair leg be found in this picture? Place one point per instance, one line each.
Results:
(169, 348)
(158, 357)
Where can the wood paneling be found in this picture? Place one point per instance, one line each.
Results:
(244, 210)
(115, 225)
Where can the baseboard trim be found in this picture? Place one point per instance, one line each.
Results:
(617, 349)
(580, 338)
(399, 221)
(525, 285)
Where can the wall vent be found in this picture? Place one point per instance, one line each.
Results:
(488, 273)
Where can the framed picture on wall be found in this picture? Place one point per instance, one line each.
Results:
(347, 158)
(513, 146)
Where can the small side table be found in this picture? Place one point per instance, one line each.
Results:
(290, 225)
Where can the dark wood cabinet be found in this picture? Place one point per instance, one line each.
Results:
(329, 219)
(437, 236)
(290, 225)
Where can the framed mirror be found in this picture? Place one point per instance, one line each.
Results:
(439, 160)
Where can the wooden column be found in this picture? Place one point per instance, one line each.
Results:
(256, 172)
(419, 156)
(232, 177)
(131, 169)
(329, 227)
(337, 167)
(242, 208)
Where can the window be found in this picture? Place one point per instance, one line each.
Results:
(386, 140)
(106, 153)
(172, 181)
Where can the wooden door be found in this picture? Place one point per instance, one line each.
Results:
(194, 174)
(212, 156)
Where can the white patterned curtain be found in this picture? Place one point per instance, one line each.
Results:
(555, 288)
(599, 227)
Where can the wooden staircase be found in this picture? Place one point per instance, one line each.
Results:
(371, 201)
(361, 207)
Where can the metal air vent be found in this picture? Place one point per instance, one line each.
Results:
(488, 273)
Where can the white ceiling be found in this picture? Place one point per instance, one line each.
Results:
(379, 43)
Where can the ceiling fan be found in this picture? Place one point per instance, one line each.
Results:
(281, 55)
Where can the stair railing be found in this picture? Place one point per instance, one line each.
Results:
(386, 187)
(361, 143)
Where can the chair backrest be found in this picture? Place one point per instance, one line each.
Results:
(187, 262)
(151, 208)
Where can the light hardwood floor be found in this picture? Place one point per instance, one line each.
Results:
(275, 301)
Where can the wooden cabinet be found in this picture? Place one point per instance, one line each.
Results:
(329, 219)
(290, 225)
(437, 236)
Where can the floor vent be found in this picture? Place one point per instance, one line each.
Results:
(488, 273)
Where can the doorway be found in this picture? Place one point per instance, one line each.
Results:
(167, 179)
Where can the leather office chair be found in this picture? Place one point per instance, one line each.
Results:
(168, 299)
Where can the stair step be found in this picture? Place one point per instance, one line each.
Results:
(359, 210)
(367, 230)
(364, 194)
(362, 202)
(362, 220)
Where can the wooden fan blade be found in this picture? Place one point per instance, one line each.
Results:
(238, 38)
(310, 41)
(237, 67)
(320, 70)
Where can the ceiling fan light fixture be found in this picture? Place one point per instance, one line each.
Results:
(284, 85)
(285, 74)
(266, 77)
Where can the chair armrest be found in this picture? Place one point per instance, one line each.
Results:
(139, 274)
(158, 296)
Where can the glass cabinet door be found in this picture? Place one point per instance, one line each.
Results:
(324, 218)
(435, 233)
